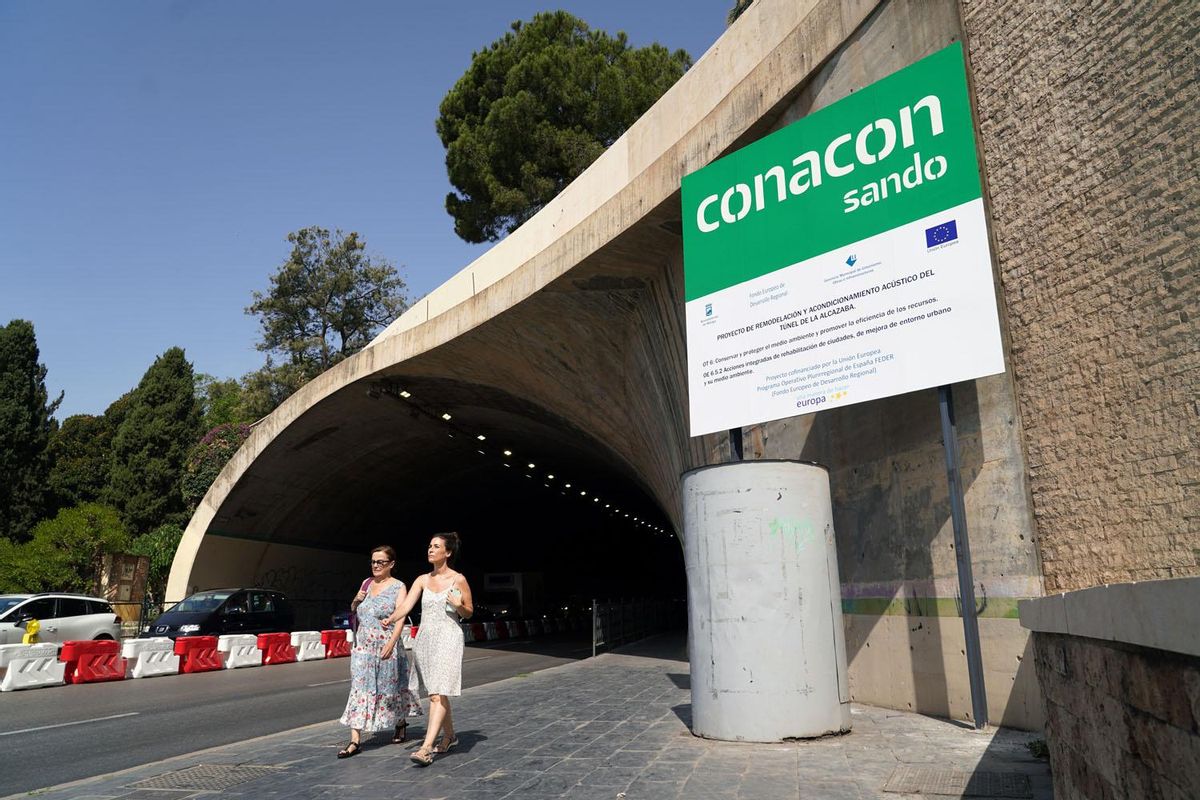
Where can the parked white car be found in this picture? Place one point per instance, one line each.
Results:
(63, 617)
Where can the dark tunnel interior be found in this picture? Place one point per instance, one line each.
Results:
(394, 461)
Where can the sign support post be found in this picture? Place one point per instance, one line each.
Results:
(962, 554)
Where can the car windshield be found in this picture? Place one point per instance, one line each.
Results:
(7, 602)
(204, 601)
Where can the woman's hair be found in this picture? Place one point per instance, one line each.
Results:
(386, 549)
(452, 542)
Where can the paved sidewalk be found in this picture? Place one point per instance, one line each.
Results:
(610, 728)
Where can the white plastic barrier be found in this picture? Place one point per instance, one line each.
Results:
(150, 657)
(308, 645)
(534, 627)
(468, 635)
(490, 628)
(240, 649)
(350, 638)
(28, 666)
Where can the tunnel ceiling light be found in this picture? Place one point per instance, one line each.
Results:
(481, 452)
(581, 494)
(549, 477)
(508, 452)
(567, 485)
(405, 394)
(626, 515)
(446, 417)
(481, 437)
(595, 499)
(606, 505)
(531, 465)
(508, 465)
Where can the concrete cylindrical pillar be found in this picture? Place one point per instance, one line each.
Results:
(766, 644)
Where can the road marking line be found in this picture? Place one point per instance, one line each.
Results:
(481, 658)
(329, 683)
(68, 724)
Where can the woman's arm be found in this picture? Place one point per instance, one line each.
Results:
(397, 630)
(464, 606)
(358, 598)
(406, 605)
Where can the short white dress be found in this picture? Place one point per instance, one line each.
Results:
(439, 647)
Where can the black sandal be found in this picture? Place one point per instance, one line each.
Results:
(351, 749)
(401, 733)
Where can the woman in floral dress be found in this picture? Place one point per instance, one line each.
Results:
(378, 699)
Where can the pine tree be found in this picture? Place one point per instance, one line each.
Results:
(26, 424)
(535, 109)
(160, 424)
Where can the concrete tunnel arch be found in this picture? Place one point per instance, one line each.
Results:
(567, 336)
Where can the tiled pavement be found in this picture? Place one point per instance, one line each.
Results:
(610, 728)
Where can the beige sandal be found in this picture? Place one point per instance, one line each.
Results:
(422, 757)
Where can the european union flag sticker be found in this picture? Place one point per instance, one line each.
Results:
(940, 234)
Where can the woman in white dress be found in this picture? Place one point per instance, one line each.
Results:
(445, 600)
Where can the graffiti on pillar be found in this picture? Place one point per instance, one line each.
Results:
(308, 582)
(799, 533)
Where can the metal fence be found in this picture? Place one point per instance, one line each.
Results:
(615, 623)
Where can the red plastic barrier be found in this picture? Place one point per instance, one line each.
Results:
(501, 631)
(276, 648)
(478, 632)
(197, 654)
(92, 661)
(335, 643)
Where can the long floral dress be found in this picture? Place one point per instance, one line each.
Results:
(378, 701)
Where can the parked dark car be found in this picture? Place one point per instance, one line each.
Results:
(222, 611)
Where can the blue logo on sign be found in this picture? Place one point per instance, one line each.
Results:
(851, 261)
(940, 234)
(708, 309)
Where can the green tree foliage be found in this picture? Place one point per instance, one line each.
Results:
(80, 455)
(150, 445)
(535, 109)
(263, 390)
(65, 552)
(222, 402)
(326, 302)
(739, 8)
(26, 424)
(207, 458)
(160, 545)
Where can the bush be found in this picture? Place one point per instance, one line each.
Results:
(208, 457)
(65, 552)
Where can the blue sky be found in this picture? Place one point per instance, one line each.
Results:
(154, 155)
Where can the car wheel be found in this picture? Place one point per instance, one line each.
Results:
(103, 637)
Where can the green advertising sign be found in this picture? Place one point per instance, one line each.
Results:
(842, 259)
(896, 151)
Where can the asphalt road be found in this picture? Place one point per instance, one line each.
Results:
(59, 734)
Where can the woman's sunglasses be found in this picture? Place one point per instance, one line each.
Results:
(375, 562)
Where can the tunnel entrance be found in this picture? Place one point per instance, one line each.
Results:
(397, 459)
